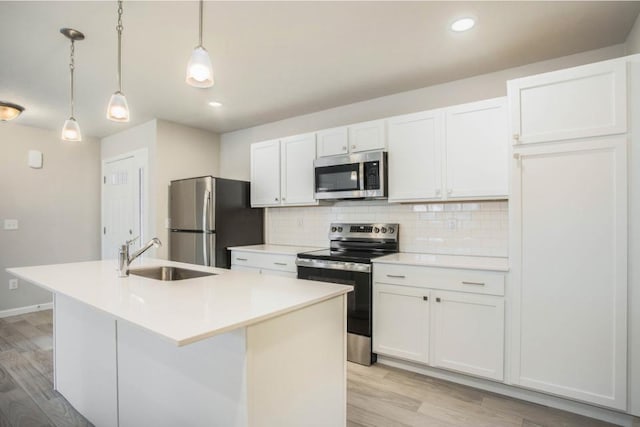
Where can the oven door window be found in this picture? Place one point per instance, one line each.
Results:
(358, 301)
(338, 178)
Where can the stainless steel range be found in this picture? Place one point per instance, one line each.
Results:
(348, 261)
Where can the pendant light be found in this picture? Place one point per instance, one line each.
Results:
(9, 111)
(71, 128)
(199, 69)
(118, 109)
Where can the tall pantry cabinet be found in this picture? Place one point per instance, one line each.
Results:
(573, 204)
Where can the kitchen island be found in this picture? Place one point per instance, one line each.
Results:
(230, 349)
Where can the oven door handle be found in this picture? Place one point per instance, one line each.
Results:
(334, 265)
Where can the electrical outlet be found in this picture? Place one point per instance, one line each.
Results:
(10, 224)
(13, 284)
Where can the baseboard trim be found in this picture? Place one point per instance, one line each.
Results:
(24, 310)
(596, 412)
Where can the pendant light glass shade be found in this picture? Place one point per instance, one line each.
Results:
(9, 111)
(118, 109)
(199, 69)
(71, 130)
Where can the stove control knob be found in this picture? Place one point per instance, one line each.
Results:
(392, 230)
(384, 229)
(376, 230)
(333, 229)
(339, 229)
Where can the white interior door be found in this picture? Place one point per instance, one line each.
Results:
(121, 204)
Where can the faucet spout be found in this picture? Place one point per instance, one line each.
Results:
(124, 259)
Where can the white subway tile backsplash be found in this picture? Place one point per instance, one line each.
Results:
(464, 228)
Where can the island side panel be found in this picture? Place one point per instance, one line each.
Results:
(296, 368)
(85, 360)
(163, 385)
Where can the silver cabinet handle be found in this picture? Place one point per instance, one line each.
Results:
(344, 148)
(438, 300)
(283, 199)
(280, 263)
(353, 146)
(396, 276)
(241, 259)
(276, 199)
(425, 298)
(473, 283)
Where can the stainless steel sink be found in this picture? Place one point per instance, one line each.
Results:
(169, 274)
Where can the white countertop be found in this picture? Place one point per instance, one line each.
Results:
(183, 311)
(275, 249)
(446, 261)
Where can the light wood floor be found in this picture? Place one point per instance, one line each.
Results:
(378, 396)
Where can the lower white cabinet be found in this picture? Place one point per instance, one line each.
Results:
(456, 330)
(265, 263)
(468, 333)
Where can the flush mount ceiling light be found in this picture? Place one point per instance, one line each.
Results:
(199, 68)
(9, 111)
(71, 128)
(463, 24)
(215, 104)
(118, 109)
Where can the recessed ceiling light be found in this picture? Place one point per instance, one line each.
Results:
(215, 104)
(463, 24)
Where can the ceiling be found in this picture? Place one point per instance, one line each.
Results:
(274, 60)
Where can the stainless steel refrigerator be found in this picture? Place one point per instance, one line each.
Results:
(207, 216)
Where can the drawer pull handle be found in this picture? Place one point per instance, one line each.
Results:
(473, 283)
(396, 276)
(241, 259)
(280, 263)
(425, 298)
(438, 300)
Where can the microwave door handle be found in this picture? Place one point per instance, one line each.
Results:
(361, 175)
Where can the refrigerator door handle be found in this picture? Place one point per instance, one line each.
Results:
(205, 209)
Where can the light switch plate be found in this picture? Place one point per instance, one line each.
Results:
(35, 159)
(10, 224)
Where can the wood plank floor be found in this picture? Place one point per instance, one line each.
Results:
(378, 396)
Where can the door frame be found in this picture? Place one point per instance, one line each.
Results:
(141, 161)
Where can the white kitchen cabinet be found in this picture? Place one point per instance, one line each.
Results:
(265, 173)
(367, 136)
(578, 102)
(568, 209)
(476, 150)
(333, 141)
(467, 333)
(441, 317)
(415, 156)
(401, 322)
(264, 263)
(297, 173)
(282, 172)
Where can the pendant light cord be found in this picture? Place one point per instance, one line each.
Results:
(119, 28)
(71, 68)
(200, 33)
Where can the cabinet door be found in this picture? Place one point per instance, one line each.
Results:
(415, 156)
(575, 103)
(265, 173)
(333, 141)
(401, 322)
(297, 173)
(367, 136)
(468, 333)
(569, 270)
(476, 150)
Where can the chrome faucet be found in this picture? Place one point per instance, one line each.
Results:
(124, 259)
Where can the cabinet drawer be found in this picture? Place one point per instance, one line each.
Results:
(474, 281)
(264, 260)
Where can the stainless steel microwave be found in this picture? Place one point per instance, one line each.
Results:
(353, 176)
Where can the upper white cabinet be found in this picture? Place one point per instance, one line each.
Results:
(415, 156)
(265, 173)
(297, 177)
(282, 171)
(332, 142)
(574, 103)
(365, 136)
(455, 153)
(476, 150)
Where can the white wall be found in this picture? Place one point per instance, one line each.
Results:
(58, 206)
(632, 44)
(234, 149)
(182, 152)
